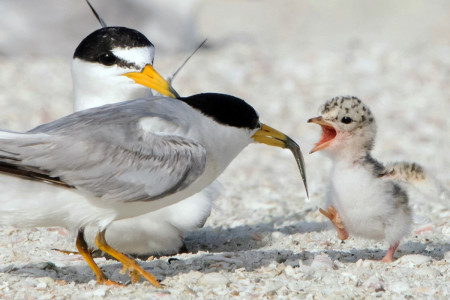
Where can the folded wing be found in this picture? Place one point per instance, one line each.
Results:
(105, 153)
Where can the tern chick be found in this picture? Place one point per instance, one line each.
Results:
(363, 198)
(415, 178)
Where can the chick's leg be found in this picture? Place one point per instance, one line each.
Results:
(334, 217)
(389, 257)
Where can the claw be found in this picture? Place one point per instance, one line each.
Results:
(68, 252)
(109, 282)
(135, 271)
(334, 217)
(87, 255)
(134, 275)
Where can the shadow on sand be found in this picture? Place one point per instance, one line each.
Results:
(228, 249)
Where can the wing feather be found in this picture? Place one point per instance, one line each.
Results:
(105, 153)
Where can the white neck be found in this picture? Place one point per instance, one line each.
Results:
(96, 85)
(349, 146)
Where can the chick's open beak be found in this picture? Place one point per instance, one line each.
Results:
(328, 133)
(270, 136)
(150, 78)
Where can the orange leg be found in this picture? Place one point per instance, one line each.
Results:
(134, 270)
(84, 251)
(334, 217)
(389, 257)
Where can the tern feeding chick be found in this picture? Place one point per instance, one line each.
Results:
(85, 165)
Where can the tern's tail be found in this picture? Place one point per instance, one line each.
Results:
(416, 176)
(12, 147)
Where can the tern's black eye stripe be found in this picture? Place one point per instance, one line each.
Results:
(102, 41)
(107, 59)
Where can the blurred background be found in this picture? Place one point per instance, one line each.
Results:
(54, 27)
(285, 57)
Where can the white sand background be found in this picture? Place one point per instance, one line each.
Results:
(264, 239)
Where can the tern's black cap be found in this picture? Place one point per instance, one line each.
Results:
(97, 46)
(225, 109)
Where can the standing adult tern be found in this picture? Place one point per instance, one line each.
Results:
(126, 159)
(97, 67)
(98, 64)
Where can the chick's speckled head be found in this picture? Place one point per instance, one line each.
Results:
(346, 123)
(347, 112)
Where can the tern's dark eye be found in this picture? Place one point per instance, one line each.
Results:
(107, 59)
(346, 120)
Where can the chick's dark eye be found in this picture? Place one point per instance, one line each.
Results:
(107, 59)
(346, 120)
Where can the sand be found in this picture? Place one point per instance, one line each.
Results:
(264, 238)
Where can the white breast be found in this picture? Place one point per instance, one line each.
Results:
(29, 203)
(360, 199)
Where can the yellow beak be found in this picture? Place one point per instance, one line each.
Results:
(270, 136)
(150, 78)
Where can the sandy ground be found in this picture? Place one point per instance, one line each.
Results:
(264, 239)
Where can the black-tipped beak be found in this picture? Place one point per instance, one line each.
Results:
(270, 136)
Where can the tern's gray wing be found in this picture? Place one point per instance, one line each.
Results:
(105, 152)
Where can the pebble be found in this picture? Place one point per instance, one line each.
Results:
(4, 286)
(447, 256)
(193, 276)
(413, 260)
(427, 272)
(214, 279)
(374, 282)
(321, 262)
(289, 270)
(293, 262)
(276, 235)
(41, 285)
(398, 287)
(446, 230)
(99, 292)
(364, 263)
(46, 297)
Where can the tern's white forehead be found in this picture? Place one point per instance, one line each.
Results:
(140, 56)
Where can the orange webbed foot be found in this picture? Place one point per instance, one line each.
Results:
(135, 271)
(334, 217)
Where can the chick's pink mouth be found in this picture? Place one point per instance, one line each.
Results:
(328, 134)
